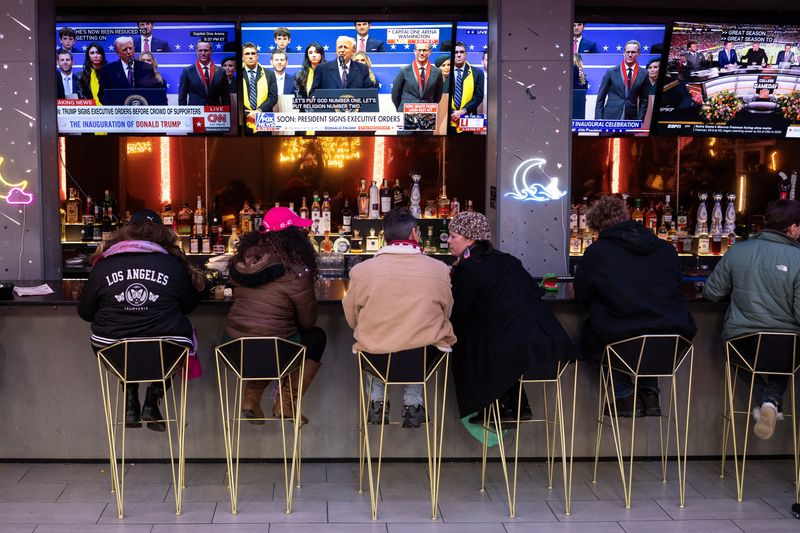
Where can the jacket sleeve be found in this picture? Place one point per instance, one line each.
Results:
(349, 302)
(87, 306)
(602, 92)
(718, 285)
(189, 297)
(305, 303)
(796, 303)
(644, 99)
(397, 88)
(465, 292)
(439, 88)
(272, 88)
(183, 89)
(477, 92)
(582, 284)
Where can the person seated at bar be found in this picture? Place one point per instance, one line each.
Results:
(503, 327)
(762, 277)
(399, 300)
(273, 274)
(141, 286)
(631, 281)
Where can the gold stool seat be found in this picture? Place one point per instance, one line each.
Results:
(148, 361)
(410, 367)
(646, 356)
(752, 355)
(554, 423)
(259, 359)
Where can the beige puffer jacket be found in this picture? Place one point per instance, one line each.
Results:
(268, 299)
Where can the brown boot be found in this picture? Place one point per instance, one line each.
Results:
(251, 404)
(289, 399)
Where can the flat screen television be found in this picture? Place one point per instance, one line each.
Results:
(471, 100)
(613, 87)
(380, 92)
(731, 79)
(153, 78)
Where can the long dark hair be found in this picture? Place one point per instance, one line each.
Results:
(302, 75)
(86, 74)
(291, 245)
(146, 231)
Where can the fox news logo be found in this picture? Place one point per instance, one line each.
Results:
(265, 121)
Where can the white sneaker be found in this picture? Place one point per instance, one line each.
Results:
(765, 426)
(757, 414)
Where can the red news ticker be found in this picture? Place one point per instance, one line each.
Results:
(73, 102)
(216, 109)
(420, 108)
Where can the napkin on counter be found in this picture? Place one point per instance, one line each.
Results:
(39, 290)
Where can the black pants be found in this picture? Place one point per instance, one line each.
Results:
(314, 340)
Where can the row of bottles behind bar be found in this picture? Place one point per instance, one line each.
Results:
(669, 225)
(207, 229)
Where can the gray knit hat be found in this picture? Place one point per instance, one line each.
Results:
(471, 225)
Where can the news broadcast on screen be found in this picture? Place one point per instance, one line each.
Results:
(173, 78)
(469, 83)
(731, 79)
(615, 68)
(361, 76)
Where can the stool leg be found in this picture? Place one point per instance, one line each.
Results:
(682, 460)
(601, 396)
(794, 439)
(485, 447)
(441, 429)
(431, 448)
(549, 443)
(228, 427)
(295, 466)
(176, 479)
(513, 500)
(495, 414)
(726, 414)
(559, 420)
(110, 419)
(664, 441)
(568, 472)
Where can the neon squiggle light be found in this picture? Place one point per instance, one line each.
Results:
(534, 192)
(16, 192)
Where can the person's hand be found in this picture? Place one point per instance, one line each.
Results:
(198, 280)
(456, 115)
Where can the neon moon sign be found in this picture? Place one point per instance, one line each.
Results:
(534, 192)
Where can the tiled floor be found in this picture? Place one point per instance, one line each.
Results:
(62, 498)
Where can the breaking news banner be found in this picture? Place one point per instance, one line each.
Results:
(292, 122)
(473, 123)
(596, 127)
(80, 116)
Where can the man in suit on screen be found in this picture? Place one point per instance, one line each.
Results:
(623, 92)
(146, 42)
(418, 82)
(67, 85)
(259, 87)
(342, 73)
(285, 81)
(203, 83)
(365, 43)
(126, 72)
(727, 56)
(467, 84)
(579, 44)
(786, 55)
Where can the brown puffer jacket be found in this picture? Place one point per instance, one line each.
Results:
(268, 299)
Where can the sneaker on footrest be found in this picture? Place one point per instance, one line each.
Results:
(374, 415)
(413, 416)
(765, 426)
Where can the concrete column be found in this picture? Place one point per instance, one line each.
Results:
(529, 138)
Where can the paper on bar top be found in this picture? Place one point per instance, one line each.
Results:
(39, 290)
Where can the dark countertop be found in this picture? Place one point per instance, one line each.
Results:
(329, 291)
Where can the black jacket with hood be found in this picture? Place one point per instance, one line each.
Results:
(631, 281)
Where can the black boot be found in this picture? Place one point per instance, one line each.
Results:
(150, 411)
(508, 405)
(132, 407)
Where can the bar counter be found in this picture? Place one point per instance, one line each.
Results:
(49, 390)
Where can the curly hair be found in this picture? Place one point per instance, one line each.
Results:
(291, 245)
(607, 211)
(147, 231)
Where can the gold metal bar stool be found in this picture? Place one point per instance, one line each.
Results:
(752, 355)
(258, 359)
(147, 361)
(556, 424)
(409, 367)
(645, 356)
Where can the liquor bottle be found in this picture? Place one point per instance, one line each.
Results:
(430, 209)
(88, 227)
(666, 212)
(672, 238)
(63, 213)
(341, 245)
(233, 240)
(326, 246)
(108, 201)
(373, 241)
(219, 245)
(312, 239)
(455, 207)
(716, 215)
(637, 215)
(730, 215)
(108, 226)
(127, 218)
(385, 194)
(205, 244)
(582, 209)
(325, 212)
(88, 213)
(681, 220)
(374, 201)
(701, 225)
(347, 218)
(277, 204)
(185, 220)
(703, 242)
(97, 229)
(469, 206)
(258, 216)
(416, 197)
(214, 224)
(168, 217)
(304, 209)
(793, 186)
(784, 185)
(651, 218)
(194, 244)
(199, 226)
(574, 240)
(357, 242)
(316, 214)
(363, 200)
(662, 232)
(573, 218)
(73, 207)
(444, 238)
(397, 194)
(587, 238)
(429, 247)
(246, 218)
(443, 207)
(291, 208)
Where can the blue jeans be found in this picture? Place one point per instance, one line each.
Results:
(412, 394)
(623, 384)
